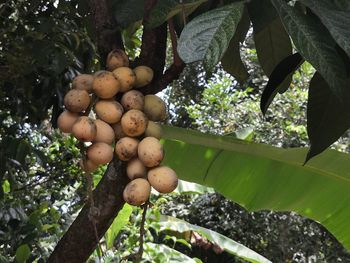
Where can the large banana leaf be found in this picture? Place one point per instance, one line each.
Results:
(259, 176)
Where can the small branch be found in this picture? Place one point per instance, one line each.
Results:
(173, 37)
(142, 233)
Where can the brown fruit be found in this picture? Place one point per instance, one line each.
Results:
(66, 121)
(83, 82)
(104, 132)
(137, 192)
(153, 130)
(100, 153)
(144, 76)
(77, 100)
(134, 123)
(126, 78)
(136, 169)
(150, 152)
(84, 129)
(105, 85)
(133, 99)
(88, 166)
(163, 179)
(117, 58)
(109, 111)
(118, 131)
(154, 108)
(126, 148)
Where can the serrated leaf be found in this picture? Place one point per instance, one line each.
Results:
(283, 70)
(207, 36)
(316, 45)
(336, 17)
(231, 61)
(22, 253)
(327, 117)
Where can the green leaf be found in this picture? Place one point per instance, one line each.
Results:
(262, 13)
(336, 17)
(207, 36)
(119, 222)
(6, 187)
(185, 187)
(230, 246)
(231, 61)
(327, 117)
(174, 255)
(259, 176)
(316, 45)
(22, 253)
(127, 12)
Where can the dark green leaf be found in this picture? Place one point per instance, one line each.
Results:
(327, 117)
(207, 36)
(127, 12)
(22, 253)
(262, 13)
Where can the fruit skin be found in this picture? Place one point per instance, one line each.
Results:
(150, 152)
(105, 132)
(154, 108)
(105, 85)
(109, 111)
(118, 131)
(77, 100)
(126, 148)
(100, 153)
(144, 76)
(134, 123)
(84, 129)
(116, 58)
(66, 121)
(88, 166)
(136, 169)
(163, 179)
(153, 130)
(133, 100)
(126, 78)
(137, 192)
(83, 82)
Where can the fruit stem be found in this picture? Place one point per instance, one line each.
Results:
(138, 255)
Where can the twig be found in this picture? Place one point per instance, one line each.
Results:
(173, 37)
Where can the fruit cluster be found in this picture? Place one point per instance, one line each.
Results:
(130, 122)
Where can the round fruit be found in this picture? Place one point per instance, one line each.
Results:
(144, 76)
(134, 123)
(118, 131)
(133, 99)
(117, 58)
(126, 148)
(104, 132)
(150, 152)
(77, 100)
(153, 130)
(100, 153)
(126, 78)
(83, 82)
(154, 108)
(88, 166)
(84, 129)
(105, 85)
(109, 111)
(136, 169)
(137, 192)
(66, 121)
(163, 179)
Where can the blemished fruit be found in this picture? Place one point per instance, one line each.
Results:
(134, 123)
(136, 169)
(126, 78)
(88, 166)
(83, 82)
(137, 192)
(144, 76)
(153, 130)
(105, 85)
(84, 129)
(154, 108)
(105, 132)
(118, 131)
(133, 100)
(109, 111)
(77, 100)
(150, 152)
(163, 179)
(126, 148)
(100, 153)
(117, 58)
(66, 121)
